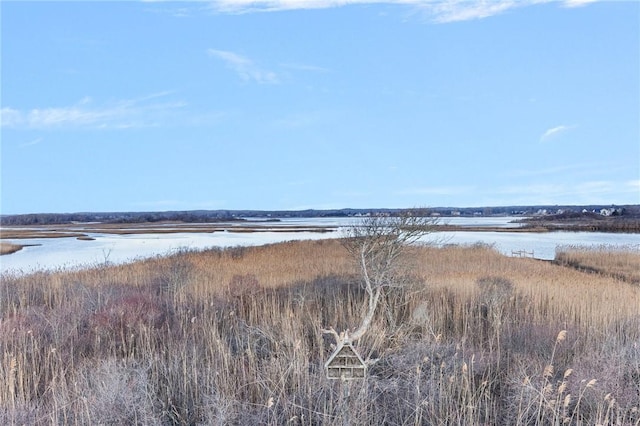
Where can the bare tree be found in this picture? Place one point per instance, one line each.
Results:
(378, 244)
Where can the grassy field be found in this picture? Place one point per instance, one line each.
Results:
(233, 337)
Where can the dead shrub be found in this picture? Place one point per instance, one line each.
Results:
(109, 392)
(123, 321)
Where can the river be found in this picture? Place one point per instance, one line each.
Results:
(63, 253)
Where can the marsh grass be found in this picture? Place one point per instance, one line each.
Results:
(622, 263)
(8, 248)
(233, 337)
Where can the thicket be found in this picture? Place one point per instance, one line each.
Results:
(233, 337)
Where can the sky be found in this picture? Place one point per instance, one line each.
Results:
(322, 104)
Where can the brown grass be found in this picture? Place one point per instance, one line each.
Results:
(81, 230)
(623, 263)
(8, 248)
(233, 337)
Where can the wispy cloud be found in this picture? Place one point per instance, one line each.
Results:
(248, 6)
(441, 11)
(127, 113)
(456, 11)
(554, 131)
(31, 142)
(246, 69)
(577, 3)
(10, 117)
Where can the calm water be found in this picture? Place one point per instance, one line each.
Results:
(72, 253)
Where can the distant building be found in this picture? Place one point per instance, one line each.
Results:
(608, 212)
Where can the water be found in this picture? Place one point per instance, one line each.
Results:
(542, 245)
(56, 253)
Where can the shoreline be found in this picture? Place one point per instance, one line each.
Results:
(83, 232)
(13, 239)
(9, 248)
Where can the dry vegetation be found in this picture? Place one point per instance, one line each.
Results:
(81, 230)
(621, 263)
(233, 337)
(8, 248)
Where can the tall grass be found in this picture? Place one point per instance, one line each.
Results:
(8, 248)
(233, 337)
(620, 262)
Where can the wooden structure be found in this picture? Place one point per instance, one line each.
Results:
(345, 363)
(522, 253)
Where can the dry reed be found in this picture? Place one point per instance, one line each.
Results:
(8, 248)
(622, 263)
(233, 337)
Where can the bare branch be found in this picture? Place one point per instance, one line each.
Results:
(331, 331)
(366, 321)
(339, 338)
(378, 243)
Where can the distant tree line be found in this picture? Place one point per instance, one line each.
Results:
(212, 216)
(124, 217)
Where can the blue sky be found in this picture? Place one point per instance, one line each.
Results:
(282, 104)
